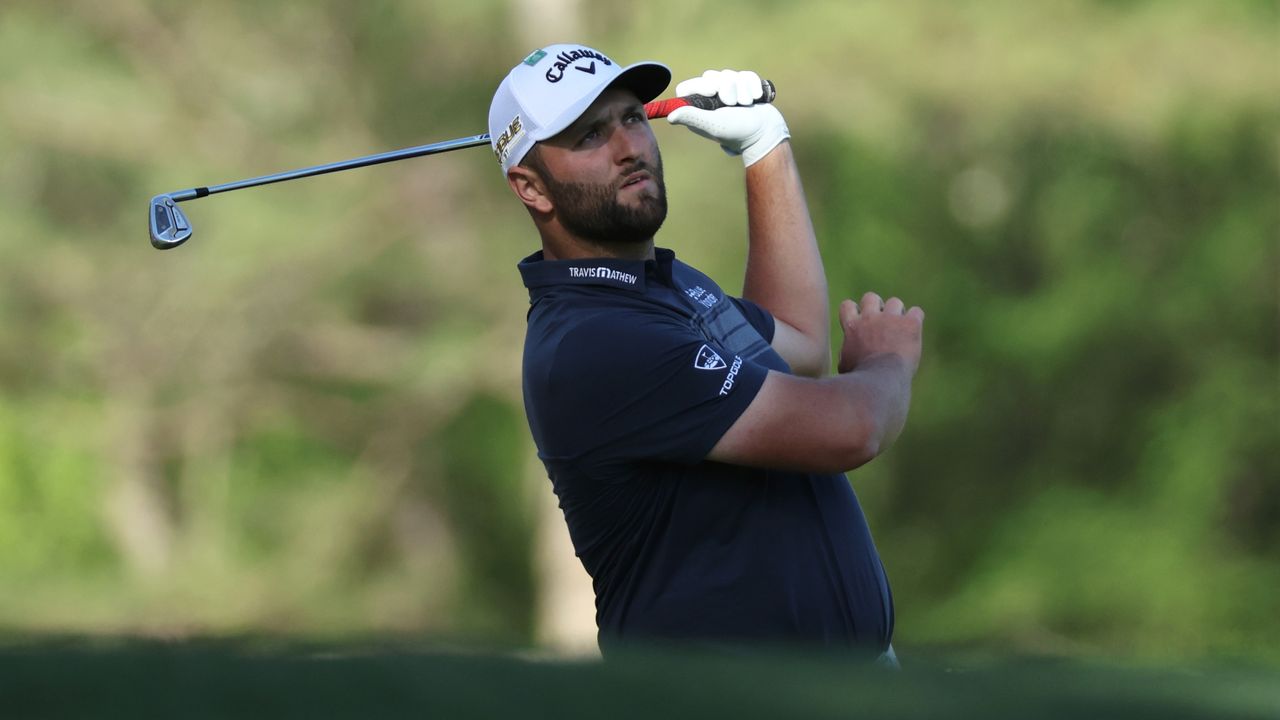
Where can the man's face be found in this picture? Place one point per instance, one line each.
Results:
(604, 172)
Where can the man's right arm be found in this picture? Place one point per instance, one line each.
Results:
(836, 423)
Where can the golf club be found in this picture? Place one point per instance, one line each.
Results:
(170, 227)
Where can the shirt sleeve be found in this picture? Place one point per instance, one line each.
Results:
(760, 319)
(642, 386)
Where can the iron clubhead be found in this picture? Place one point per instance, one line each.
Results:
(169, 227)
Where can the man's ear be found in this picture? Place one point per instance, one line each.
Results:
(529, 187)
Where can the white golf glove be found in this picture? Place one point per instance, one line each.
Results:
(747, 129)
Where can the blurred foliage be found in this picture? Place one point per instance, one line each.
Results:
(308, 420)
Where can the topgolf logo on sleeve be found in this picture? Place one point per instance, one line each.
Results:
(709, 359)
(732, 376)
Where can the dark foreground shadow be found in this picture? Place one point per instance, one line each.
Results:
(127, 678)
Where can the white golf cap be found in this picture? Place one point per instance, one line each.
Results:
(547, 91)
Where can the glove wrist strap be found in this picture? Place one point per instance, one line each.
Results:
(758, 149)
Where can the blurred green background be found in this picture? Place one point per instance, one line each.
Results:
(307, 422)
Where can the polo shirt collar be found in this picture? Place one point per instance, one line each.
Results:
(607, 272)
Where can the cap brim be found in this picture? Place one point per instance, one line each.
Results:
(646, 79)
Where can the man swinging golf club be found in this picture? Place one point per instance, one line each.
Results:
(696, 441)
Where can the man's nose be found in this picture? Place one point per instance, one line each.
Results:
(629, 144)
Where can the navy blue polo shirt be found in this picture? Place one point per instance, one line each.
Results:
(633, 370)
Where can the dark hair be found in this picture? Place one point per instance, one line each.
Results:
(533, 160)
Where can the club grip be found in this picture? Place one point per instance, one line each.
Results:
(662, 108)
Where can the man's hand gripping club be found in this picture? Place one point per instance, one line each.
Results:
(746, 128)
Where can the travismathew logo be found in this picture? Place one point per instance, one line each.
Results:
(709, 359)
(556, 72)
(603, 273)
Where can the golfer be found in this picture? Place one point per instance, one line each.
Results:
(696, 441)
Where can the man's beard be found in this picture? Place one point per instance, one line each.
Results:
(593, 212)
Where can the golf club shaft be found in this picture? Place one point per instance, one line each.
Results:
(386, 157)
(655, 110)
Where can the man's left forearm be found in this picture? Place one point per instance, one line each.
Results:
(784, 268)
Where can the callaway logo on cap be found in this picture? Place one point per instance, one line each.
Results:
(551, 87)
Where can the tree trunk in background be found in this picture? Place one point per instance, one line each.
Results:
(566, 619)
(542, 22)
(137, 515)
